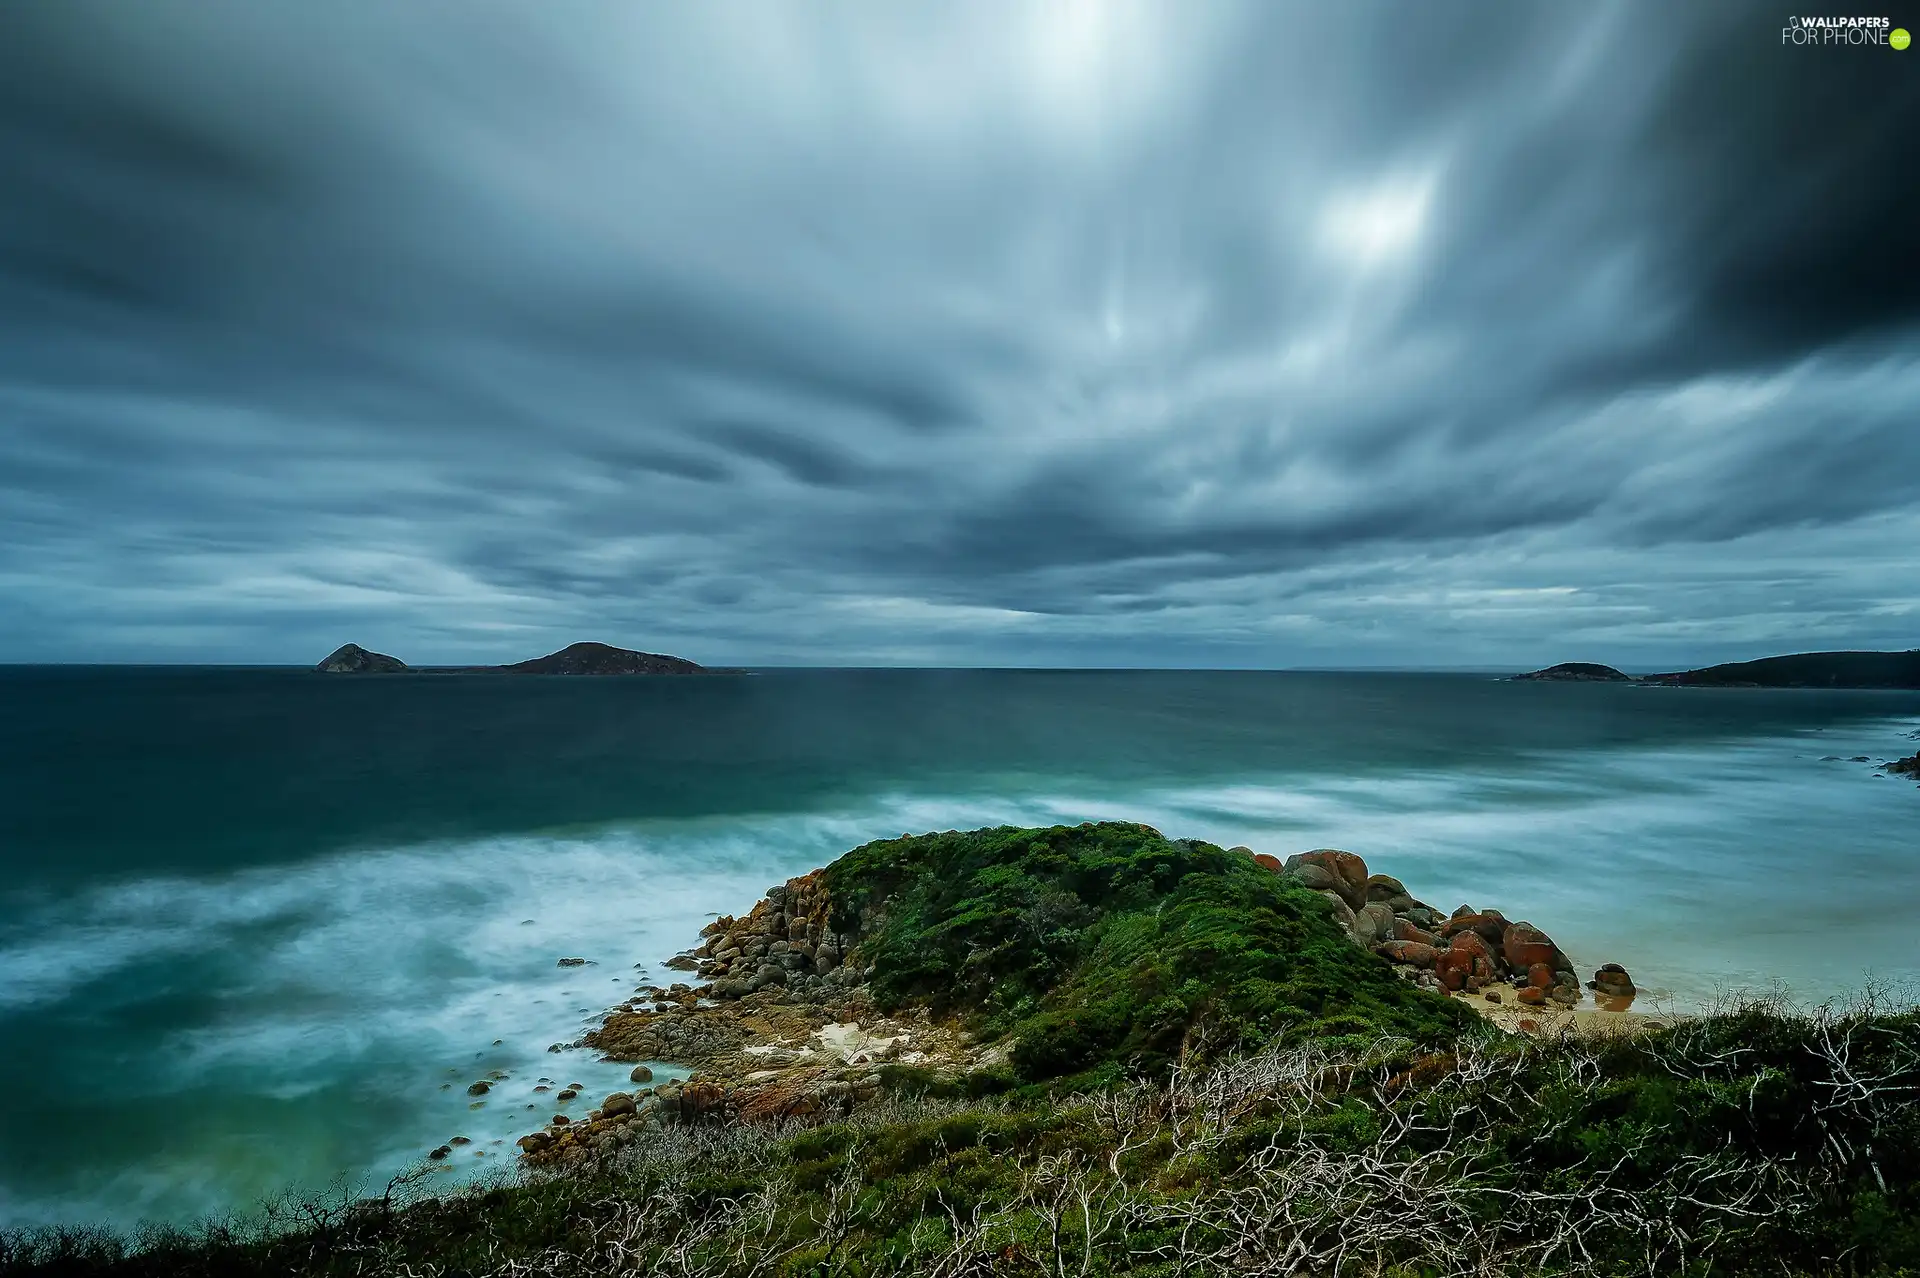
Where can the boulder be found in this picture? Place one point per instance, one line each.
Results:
(1523, 945)
(535, 1143)
(1612, 979)
(1349, 871)
(1373, 923)
(571, 962)
(1407, 930)
(1484, 965)
(640, 1074)
(699, 1097)
(617, 1103)
(1341, 911)
(1541, 976)
(1410, 953)
(1384, 887)
(1487, 924)
(1532, 996)
(1453, 968)
(1317, 877)
(1267, 861)
(480, 1088)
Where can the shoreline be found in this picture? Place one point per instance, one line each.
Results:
(782, 1023)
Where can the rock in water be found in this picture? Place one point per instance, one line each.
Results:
(351, 658)
(1612, 979)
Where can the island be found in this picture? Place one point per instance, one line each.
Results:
(574, 659)
(351, 658)
(1575, 672)
(600, 659)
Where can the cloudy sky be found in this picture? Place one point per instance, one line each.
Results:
(1032, 333)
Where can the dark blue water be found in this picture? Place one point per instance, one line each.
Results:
(253, 920)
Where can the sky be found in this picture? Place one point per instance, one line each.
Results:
(1036, 333)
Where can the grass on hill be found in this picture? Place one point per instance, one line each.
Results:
(1110, 947)
(1753, 1143)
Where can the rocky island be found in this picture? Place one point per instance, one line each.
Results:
(1574, 672)
(351, 658)
(574, 659)
(599, 659)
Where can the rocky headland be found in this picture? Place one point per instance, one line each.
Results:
(862, 975)
(1861, 670)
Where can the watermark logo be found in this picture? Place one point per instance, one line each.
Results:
(1838, 31)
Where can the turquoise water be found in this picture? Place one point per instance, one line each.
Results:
(259, 929)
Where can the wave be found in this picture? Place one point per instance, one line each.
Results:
(295, 1025)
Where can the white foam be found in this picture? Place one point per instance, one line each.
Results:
(337, 996)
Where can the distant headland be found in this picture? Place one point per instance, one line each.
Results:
(1883, 670)
(574, 659)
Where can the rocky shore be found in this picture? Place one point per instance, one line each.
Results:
(784, 1025)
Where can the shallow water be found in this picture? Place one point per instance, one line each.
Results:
(260, 929)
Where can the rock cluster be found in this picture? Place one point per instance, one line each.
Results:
(1468, 950)
(1906, 767)
(787, 940)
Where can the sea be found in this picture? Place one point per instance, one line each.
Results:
(261, 929)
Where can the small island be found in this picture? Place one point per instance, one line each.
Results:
(1575, 672)
(351, 658)
(600, 659)
(574, 659)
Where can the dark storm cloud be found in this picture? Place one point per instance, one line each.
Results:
(1006, 333)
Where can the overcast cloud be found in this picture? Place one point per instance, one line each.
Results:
(1018, 333)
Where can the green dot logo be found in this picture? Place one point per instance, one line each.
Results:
(1899, 39)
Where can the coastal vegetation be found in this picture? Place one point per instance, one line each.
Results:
(1182, 1064)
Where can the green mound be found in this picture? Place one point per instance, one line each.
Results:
(1112, 946)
